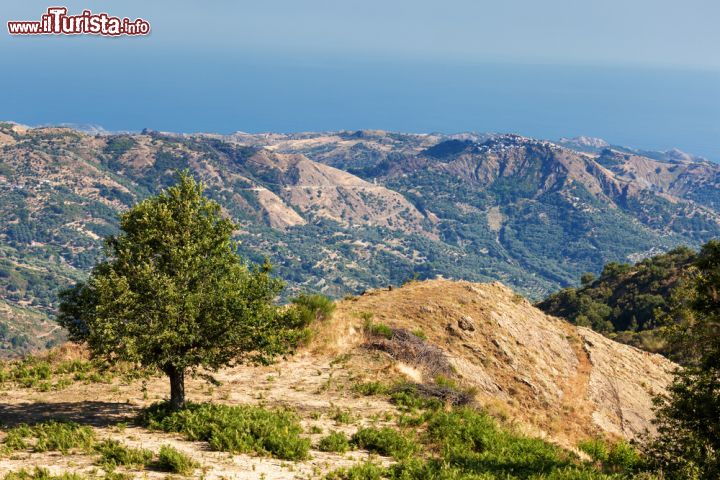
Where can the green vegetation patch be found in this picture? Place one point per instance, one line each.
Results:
(370, 388)
(467, 444)
(363, 471)
(335, 442)
(119, 144)
(313, 307)
(619, 456)
(45, 374)
(174, 461)
(238, 429)
(379, 330)
(627, 302)
(469, 437)
(114, 454)
(386, 441)
(49, 436)
(41, 474)
(341, 416)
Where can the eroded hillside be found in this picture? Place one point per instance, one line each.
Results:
(536, 374)
(563, 380)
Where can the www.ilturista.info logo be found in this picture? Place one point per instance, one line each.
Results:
(57, 22)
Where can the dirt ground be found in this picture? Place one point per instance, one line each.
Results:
(312, 386)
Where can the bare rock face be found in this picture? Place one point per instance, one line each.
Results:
(319, 190)
(622, 382)
(564, 382)
(466, 323)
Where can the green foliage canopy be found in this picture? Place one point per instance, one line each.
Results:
(173, 293)
(688, 444)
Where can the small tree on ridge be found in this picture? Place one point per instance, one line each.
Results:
(173, 293)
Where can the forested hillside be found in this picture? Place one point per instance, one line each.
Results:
(627, 302)
(342, 212)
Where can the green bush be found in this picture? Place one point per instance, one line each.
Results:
(174, 461)
(114, 454)
(596, 448)
(313, 308)
(378, 330)
(28, 373)
(118, 145)
(466, 436)
(50, 436)
(118, 476)
(44, 375)
(74, 366)
(617, 457)
(623, 457)
(341, 417)
(448, 382)
(334, 442)
(385, 441)
(240, 429)
(370, 388)
(407, 398)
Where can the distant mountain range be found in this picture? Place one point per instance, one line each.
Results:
(338, 212)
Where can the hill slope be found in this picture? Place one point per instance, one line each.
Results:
(566, 381)
(513, 198)
(537, 374)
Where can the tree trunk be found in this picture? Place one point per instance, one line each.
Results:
(177, 387)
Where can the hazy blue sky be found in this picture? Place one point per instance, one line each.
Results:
(640, 72)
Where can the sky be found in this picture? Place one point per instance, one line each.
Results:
(644, 73)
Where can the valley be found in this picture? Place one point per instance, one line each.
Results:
(340, 212)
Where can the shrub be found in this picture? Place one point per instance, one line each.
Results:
(44, 374)
(174, 461)
(622, 456)
(467, 436)
(617, 457)
(118, 476)
(334, 442)
(29, 372)
(408, 397)
(119, 145)
(370, 388)
(596, 448)
(385, 441)
(436, 470)
(239, 429)
(464, 444)
(313, 308)
(342, 417)
(74, 366)
(50, 436)
(113, 454)
(379, 330)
